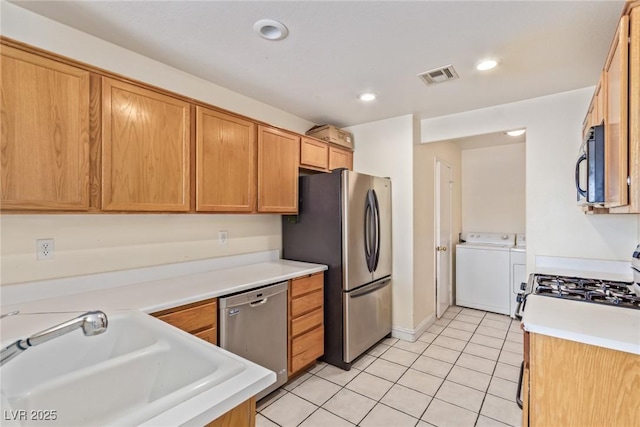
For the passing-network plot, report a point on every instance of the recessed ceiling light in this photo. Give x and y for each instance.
(486, 64)
(516, 132)
(270, 29)
(367, 96)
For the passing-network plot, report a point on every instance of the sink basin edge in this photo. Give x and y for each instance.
(216, 401)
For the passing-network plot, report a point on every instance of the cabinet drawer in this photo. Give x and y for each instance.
(306, 284)
(307, 303)
(307, 322)
(209, 335)
(192, 318)
(307, 348)
(312, 341)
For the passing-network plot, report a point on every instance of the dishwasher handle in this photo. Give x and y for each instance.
(257, 303)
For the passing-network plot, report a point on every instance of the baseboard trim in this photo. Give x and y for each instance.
(412, 335)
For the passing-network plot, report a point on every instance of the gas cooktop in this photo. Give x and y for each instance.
(622, 294)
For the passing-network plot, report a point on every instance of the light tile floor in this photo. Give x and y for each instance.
(462, 371)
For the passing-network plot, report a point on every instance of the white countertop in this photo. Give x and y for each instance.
(149, 296)
(156, 295)
(617, 328)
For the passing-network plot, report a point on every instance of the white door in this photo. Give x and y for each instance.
(443, 237)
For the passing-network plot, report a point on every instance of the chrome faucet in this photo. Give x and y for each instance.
(91, 322)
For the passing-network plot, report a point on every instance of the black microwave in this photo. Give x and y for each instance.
(590, 177)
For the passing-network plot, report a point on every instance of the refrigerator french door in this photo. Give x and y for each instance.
(344, 221)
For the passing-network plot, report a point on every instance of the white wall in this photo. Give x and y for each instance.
(555, 225)
(96, 243)
(493, 189)
(385, 148)
(86, 244)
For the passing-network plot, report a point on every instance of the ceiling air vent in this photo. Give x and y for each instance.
(439, 75)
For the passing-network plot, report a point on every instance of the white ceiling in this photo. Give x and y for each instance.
(337, 49)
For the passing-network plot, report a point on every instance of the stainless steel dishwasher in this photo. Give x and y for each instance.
(253, 325)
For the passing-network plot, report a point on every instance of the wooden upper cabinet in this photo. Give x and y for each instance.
(340, 158)
(314, 154)
(634, 111)
(225, 162)
(616, 119)
(44, 133)
(278, 161)
(600, 100)
(145, 149)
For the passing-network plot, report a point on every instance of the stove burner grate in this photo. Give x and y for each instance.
(589, 290)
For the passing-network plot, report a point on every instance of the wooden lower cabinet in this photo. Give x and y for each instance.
(306, 321)
(576, 384)
(243, 415)
(199, 319)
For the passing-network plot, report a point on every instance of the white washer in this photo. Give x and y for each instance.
(483, 278)
(518, 269)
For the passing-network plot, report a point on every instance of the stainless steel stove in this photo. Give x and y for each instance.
(598, 291)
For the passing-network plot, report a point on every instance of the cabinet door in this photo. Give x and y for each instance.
(616, 120)
(634, 111)
(595, 391)
(599, 96)
(339, 158)
(44, 131)
(314, 154)
(278, 161)
(225, 162)
(145, 149)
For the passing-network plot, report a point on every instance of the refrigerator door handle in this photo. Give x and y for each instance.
(376, 206)
(370, 231)
(367, 232)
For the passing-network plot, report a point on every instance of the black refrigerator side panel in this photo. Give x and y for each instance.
(315, 235)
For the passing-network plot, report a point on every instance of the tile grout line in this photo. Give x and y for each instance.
(445, 378)
(405, 370)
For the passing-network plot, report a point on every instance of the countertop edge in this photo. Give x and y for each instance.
(615, 328)
(582, 338)
(230, 290)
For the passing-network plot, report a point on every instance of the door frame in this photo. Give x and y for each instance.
(436, 226)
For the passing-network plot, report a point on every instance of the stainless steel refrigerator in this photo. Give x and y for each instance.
(344, 221)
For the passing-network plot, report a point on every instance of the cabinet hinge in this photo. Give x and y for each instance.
(629, 181)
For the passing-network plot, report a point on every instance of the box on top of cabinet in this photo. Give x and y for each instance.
(332, 134)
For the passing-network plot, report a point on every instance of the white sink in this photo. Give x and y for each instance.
(139, 368)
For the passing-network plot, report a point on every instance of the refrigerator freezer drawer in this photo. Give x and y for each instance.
(367, 313)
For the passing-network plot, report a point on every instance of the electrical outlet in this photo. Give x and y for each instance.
(44, 249)
(223, 237)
